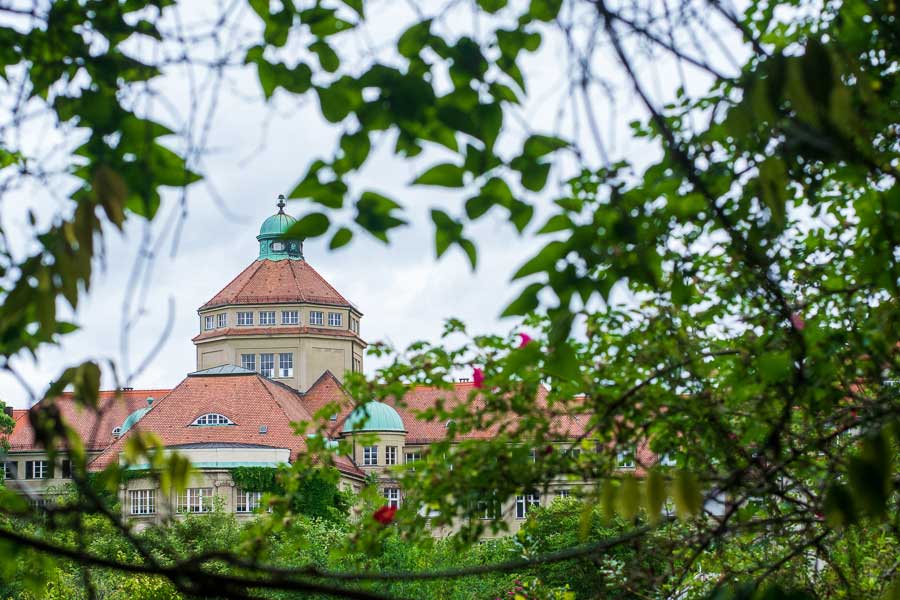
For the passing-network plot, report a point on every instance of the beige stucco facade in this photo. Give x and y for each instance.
(312, 353)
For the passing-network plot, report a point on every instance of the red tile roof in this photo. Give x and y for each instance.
(249, 400)
(271, 281)
(95, 428)
(275, 330)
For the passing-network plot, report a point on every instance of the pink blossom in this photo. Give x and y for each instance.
(797, 321)
(478, 377)
(526, 339)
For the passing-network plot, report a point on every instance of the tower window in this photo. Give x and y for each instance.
(316, 317)
(334, 319)
(267, 364)
(277, 246)
(390, 455)
(357, 365)
(211, 420)
(267, 317)
(354, 325)
(208, 322)
(248, 361)
(286, 364)
(245, 318)
(290, 317)
(222, 320)
(370, 456)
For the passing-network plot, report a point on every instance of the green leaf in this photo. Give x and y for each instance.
(535, 177)
(413, 40)
(266, 74)
(543, 261)
(629, 499)
(525, 303)
(775, 366)
(328, 58)
(310, 226)
(445, 174)
(655, 495)
(491, 6)
(537, 146)
(545, 10)
(340, 238)
(356, 5)
(688, 500)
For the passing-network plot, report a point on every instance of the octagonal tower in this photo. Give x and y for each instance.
(280, 317)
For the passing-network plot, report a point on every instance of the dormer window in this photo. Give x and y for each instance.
(277, 246)
(117, 431)
(211, 420)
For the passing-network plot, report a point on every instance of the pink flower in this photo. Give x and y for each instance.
(526, 339)
(385, 514)
(797, 321)
(478, 377)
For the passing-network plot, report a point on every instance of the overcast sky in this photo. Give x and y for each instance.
(257, 151)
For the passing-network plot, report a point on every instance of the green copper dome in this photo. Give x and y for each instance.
(273, 245)
(133, 418)
(373, 416)
(277, 224)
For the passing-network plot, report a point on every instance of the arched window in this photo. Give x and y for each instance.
(211, 419)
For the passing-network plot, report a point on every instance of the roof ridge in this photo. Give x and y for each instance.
(297, 282)
(326, 282)
(227, 285)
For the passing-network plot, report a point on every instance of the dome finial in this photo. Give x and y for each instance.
(280, 204)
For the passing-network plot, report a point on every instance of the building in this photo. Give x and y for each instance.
(272, 349)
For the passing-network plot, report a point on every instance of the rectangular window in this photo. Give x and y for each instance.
(267, 317)
(208, 322)
(10, 469)
(245, 318)
(247, 502)
(390, 455)
(286, 364)
(354, 325)
(316, 317)
(370, 456)
(667, 460)
(143, 502)
(267, 365)
(66, 466)
(625, 459)
(290, 317)
(222, 320)
(334, 319)
(357, 365)
(37, 469)
(526, 503)
(248, 361)
(533, 455)
(392, 495)
(195, 500)
(488, 509)
(562, 493)
(412, 457)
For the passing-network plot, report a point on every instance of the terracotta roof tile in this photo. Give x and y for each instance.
(95, 428)
(270, 281)
(249, 400)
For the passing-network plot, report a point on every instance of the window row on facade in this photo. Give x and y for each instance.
(192, 500)
(489, 508)
(37, 469)
(624, 460)
(288, 317)
(267, 364)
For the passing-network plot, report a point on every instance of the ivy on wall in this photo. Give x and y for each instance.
(315, 494)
